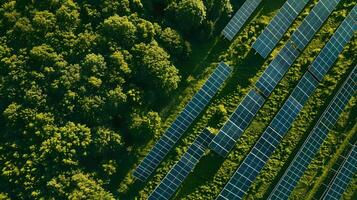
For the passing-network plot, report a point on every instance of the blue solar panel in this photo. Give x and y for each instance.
(281, 63)
(314, 141)
(334, 47)
(313, 22)
(182, 168)
(277, 69)
(239, 19)
(182, 122)
(275, 30)
(237, 123)
(343, 176)
(267, 143)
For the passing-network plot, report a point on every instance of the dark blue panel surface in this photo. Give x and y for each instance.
(275, 30)
(313, 22)
(239, 19)
(314, 141)
(343, 176)
(182, 122)
(277, 69)
(182, 168)
(334, 47)
(237, 123)
(267, 143)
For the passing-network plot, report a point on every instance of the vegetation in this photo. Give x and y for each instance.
(86, 88)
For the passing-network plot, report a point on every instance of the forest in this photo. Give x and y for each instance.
(87, 87)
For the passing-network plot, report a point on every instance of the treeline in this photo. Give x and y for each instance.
(82, 81)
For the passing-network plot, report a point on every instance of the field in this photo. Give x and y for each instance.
(86, 93)
(213, 171)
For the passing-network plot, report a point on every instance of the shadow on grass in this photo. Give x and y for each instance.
(203, 172)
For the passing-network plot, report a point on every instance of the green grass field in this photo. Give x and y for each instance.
(211, 174)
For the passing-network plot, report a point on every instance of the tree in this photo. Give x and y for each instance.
(172, 41)
(145, 125)
(120, 29)
(219, 8)
(68, 15)
(188, 14)
(66, 144)
(153, 67)
(118, 62)
(106, 141)
(121, 7)
(77, 185)
(44, 21)
(94, 64)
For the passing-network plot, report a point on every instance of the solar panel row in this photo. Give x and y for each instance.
(335, 45)
(182, 168)
(237, 123)
(182, 122)
(281, 63)
(313, 22)
(241, 16)
(315, 139)
(275, 30)
(267, 143)
(343, 176)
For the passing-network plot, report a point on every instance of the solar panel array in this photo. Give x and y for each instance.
(182, 122)
(241, 16)
(226, 138)
(277, 69)
(343, 176)
(275, 30)
(312, 22)
(182, 168)
(267, 143)
(315, 139)
(300, 38)
(335, 45)
(237, 123)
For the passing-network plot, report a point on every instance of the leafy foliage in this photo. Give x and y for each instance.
(86, 87)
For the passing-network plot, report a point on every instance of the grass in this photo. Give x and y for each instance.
(213, 172)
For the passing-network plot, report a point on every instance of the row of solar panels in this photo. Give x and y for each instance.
(343, 176)
(199, 101)
(183, 167)
(259, 155)
(270, 78)
(240, 119)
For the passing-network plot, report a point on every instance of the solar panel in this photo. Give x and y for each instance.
(315, 139)
(281, 63)
(275, 30)
(182, 122)
(237, 123)
(267, 143)
(335, 45)
(241, 16)
(313, 22)
(276, 70)
(182, 168)
(343, 176)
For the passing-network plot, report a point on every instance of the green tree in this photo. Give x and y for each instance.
(120, 29)
(77, 185)
(68, 15)
(218, 8)
(172, 41)
(145, 125)
(153, 67)
(188, 14)
(44, 21)
(66, 144)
